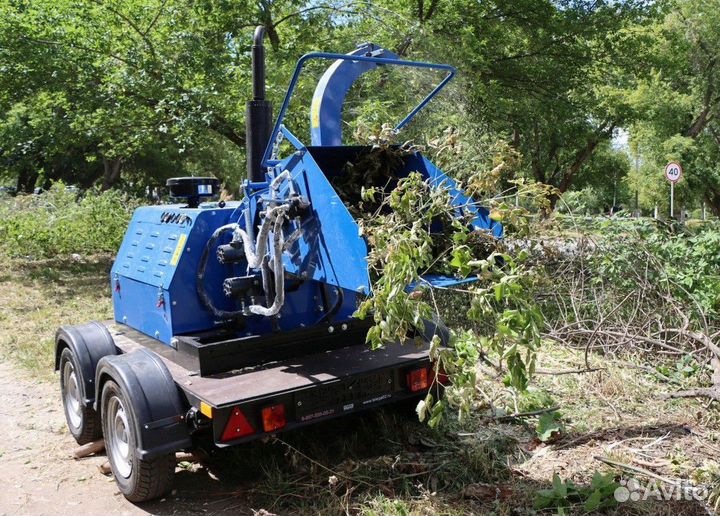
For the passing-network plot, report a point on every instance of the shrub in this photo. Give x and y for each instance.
(60, 222)
(683, 263)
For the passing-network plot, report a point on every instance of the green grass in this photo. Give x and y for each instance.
(39, 296)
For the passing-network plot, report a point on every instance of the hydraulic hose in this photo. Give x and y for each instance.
(200, 278)
(275, 184)
(339, 298)
(278, 270)
(255, 259)
(255, 253)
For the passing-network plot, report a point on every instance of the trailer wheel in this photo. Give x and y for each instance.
(83, 421)
(139, 479)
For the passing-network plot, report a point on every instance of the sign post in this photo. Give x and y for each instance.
(673, 173)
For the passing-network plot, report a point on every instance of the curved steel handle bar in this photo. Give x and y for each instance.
(345, 57)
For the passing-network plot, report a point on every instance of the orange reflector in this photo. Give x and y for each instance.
(273, 417)
(237, 426)
(417, 380)
(206, 410)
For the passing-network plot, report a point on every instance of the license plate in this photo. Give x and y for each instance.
(344, 397)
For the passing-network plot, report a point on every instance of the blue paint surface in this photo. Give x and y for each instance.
(330, 92)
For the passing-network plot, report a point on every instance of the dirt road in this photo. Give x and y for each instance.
(39, 476)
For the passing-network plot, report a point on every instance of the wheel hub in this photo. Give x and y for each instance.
(73, 403)
(119, 438)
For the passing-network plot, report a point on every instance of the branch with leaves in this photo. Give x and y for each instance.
(401, 227)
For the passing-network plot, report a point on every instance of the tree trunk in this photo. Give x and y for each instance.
(712, 197)
(111, 174)
(424, 15)
(51, 177)
(26, 181)
(580, 159)
(224, 128)
(273, 36)
(267, 21)
(701, 121)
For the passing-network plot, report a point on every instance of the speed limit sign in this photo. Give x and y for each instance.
(673, 171)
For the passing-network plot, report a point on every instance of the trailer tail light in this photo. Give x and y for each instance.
(417, 379)
(237, 426)
(273, 418)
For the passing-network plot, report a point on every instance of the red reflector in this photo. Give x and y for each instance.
(273, 417)
(417, 380)
(237, 426)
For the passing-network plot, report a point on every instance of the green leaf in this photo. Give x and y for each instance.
(499, 290)
(559, 487)
(548, 425)
(544, 498)
(593, 501)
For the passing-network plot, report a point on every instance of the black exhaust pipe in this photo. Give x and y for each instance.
(258, 112)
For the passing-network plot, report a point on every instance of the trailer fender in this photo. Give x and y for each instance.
(88, 343)
(153, 397)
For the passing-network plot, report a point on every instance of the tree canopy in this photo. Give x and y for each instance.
(124, 93)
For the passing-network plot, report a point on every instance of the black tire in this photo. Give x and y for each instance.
(139, 479)
(82, 421)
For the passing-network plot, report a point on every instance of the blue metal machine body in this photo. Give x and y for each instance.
(329, 96)
(155, 276)
(152, 278)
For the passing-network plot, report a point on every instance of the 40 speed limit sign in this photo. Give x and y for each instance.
(673, 171)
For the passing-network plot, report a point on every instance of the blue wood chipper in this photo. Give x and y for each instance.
(233, 320)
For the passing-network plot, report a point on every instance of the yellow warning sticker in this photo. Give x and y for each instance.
(178, 250)
(315, 112)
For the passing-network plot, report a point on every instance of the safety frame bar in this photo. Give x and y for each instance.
(266, 162)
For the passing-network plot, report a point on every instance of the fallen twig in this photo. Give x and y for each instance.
(527, 414)
(703, 392)
(568, 371)
(639, 471)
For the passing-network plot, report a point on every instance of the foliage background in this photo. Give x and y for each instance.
(127, 93)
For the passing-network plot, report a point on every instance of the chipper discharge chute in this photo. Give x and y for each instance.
(234, 320)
